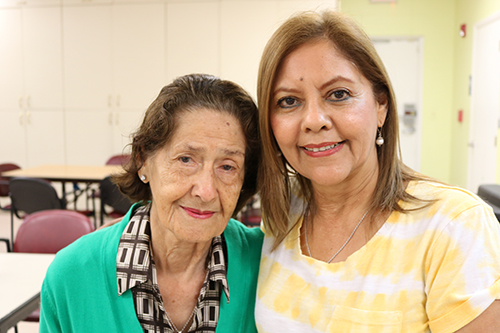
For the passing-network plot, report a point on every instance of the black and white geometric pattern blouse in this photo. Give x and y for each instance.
(135, 270)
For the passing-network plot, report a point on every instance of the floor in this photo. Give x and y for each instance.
(23, 327)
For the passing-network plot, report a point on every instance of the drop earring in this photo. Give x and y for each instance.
(380, 139)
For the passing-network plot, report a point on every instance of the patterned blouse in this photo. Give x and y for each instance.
(135, 270)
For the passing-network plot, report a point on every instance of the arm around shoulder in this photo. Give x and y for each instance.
(486, 322)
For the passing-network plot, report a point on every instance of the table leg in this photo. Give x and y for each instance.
(63, 184)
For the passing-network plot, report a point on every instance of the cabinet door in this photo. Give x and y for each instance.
(11, 64)
(12, 138)
(42, 57)
(125, 123)
(193, 39)
(243, 39)
(88, 137)
(138, 54)
(45, 137)
(87, 57)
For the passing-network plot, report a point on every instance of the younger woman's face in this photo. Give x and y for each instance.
(324, 116)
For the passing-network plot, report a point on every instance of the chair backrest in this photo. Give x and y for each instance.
(49, 231)
(118, 160)
(31, 195)
(111, 196)
(4, 182)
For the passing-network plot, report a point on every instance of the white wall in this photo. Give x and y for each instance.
(77, 75)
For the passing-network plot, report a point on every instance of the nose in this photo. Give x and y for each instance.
(316, 118)
(204, 186)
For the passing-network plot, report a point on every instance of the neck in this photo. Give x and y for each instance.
(176, 257)
(338, 202)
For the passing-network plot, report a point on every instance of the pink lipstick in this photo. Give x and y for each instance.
(324, 149)
(198, 213)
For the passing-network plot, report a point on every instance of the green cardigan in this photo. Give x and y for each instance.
(80, 292)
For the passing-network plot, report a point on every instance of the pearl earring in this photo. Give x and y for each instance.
(143, 178)
(380, 139)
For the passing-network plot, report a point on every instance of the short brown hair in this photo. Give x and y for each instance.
(190, 93)
(352, 42)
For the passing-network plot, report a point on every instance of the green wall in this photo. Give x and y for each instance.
(469, 12)
(447, 67)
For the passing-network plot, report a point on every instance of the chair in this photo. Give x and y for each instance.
(490, 193)
(49, 231)
(30, 195)
(251, 216)
(118, 159)
(93, 193)
(4, 181)
(111, 196)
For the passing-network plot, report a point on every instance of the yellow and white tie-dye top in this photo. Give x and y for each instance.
(430, 270)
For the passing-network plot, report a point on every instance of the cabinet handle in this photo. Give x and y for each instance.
(28, 102)
(21, 114)
(110, 118)
(28, 117)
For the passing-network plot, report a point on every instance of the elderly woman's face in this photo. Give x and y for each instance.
(324, 115)
(197, 177)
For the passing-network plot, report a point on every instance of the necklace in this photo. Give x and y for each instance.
(342, 247)
(183, 327)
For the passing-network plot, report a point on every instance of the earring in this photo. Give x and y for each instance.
(380, 139)
(143, 177)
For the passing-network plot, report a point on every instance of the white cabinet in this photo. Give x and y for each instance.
(31, 104)
(193, 39)
(113, 69)
(76, 76)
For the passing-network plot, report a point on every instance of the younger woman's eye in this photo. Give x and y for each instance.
(287, 102)
(339, 95)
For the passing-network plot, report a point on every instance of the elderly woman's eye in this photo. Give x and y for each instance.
(185, 159)
(287, 102)
(227, 167)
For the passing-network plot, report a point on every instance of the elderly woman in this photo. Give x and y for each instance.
(355, 240)
(177, 262)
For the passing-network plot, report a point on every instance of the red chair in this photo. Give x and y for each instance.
(118, 159)
(49, 231)
(251, 216)
(4, 181)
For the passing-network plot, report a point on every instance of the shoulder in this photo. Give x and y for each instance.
(88, 255)
(237, 232)
(447, 198)
(243, 243)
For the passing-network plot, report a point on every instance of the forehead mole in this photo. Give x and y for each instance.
(301, 79)
(227, 123)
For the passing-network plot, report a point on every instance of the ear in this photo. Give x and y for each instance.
(382, 107)
(143, 171)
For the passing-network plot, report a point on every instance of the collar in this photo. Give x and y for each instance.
(135, 265)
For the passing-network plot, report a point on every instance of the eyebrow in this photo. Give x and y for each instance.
(226, 151)
(323, 86)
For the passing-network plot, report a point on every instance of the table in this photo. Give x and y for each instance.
(21, 277)
(67, 173)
